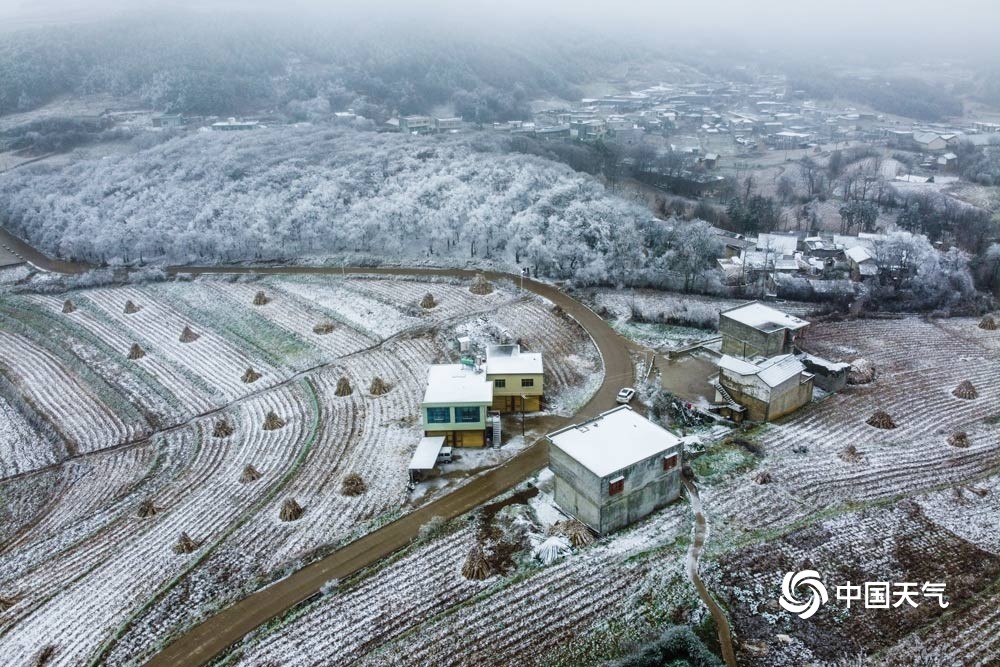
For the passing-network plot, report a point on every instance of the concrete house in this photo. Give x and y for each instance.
(756, 330)
(615, 469)
(455, 404)
(861, 263)
(768, 389)
(518, 378)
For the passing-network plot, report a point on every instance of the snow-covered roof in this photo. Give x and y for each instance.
(782, 243)
(614, 440)
(510, 360)
(832, 366)
(858, 254)
(455, 383)
(771, 372)
(765, 318)
(426, 453)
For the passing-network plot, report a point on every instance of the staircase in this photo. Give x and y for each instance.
(495, 418)
(730, 401)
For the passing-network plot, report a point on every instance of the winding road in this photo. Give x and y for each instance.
(206, 641)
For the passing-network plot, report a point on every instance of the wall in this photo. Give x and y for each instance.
(502, 396)
(741, 340)
(452, 425)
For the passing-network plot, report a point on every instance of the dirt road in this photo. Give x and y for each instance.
(202, 643)
(26, 253)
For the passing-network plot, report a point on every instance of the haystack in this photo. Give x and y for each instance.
(763, 477)
(260, 299)
(379, 387)
(250, 474)
(987, 323)
(881, 419)
(45, 656)
(273, 422)
(250, 376)
(324, 328)
(965, 390)
(291, 510)
(576, 532)
(8, 601)
(131, 308)
(428, 301)
(476, 567)
(147, 508)
(68, 306)
(480, 285)
(136, 352)
(223, 429)
(959, 439)
(343, 387)
(353, 485)
(862, 371)
(185, 544)
(851, 454)
(188, 336)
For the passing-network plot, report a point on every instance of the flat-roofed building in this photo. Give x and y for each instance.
(455, 404)
(518, 378)
(757, 330)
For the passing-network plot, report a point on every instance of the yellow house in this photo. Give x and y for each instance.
(455, 404)
(517, 377)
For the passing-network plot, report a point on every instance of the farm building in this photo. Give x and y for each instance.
(767, 389)
(861, 262)
(756, 330)
(615, 469)
(517, 377)
(456, 403)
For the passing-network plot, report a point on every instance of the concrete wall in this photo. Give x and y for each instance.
(789, 397)
(743, 341)
(764, 403)
(577, 490)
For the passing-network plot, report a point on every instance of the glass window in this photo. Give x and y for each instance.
(438, 415)
(499, 383)
(468, 414)
(527, 382)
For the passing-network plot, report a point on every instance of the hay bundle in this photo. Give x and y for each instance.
(881, 419)
(184, 544)
(480, 285)
(8, 601)
(979, 491)
(260, 299)
(250, 474)
(291, 510)
(136, 352)
(147, 508)
(764, 477)
(428, 301)
(131, 308)
(862, 371)
(188, 336)
(379, 387)
(223, 429)
(987, 323)
(576, 532)
(959, 439)
(273, 422)
(45, 656)
(965, 390)
(851, 454)
(250, 376)
(353, 485)
(324, 328)
(343, 387)
(68, 306)
(476, 567)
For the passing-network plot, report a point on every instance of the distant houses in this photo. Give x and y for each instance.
(615, 469)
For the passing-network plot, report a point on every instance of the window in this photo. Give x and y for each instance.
(468, 415)
(438, 415)
(527, 382)
(499, 383)
(616, 486)
(670, 462)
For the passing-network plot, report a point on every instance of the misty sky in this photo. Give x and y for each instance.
(904, 29)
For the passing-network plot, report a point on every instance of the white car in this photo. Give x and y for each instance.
(626, 395)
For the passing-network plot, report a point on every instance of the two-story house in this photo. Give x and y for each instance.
(455, 404)
(615, 469)
(518, 378)
(756, 330)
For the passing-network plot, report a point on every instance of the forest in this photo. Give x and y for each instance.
(360, 195)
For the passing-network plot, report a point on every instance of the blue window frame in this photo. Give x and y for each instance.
(438, 415)
(468, 414)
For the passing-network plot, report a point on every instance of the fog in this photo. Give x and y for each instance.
(830, 30)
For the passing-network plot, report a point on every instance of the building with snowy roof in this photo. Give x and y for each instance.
(518, 378)
(767, 389)
(456, 403)
(757, 330)
(615, 469)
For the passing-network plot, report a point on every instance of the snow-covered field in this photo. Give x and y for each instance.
(87, 574)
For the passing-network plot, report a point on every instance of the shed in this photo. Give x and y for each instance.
(425, 457)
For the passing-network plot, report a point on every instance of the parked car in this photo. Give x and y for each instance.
(626, 395)
(444, 456)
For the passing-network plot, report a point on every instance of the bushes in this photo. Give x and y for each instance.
(676, 647)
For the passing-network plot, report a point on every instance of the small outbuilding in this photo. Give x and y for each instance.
(615, 469)
(425, 458)
(768, 389)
